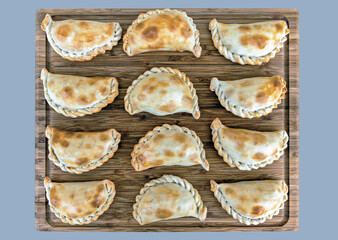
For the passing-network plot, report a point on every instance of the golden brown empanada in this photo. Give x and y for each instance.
(168, 197)
(78, 152)
(162, 91)
(252, 44)
(169, 145)
(251, 202)
(79, 202)
(79, 40)
(247, 149)
(166, 30)
(250, 97)
(75, 96)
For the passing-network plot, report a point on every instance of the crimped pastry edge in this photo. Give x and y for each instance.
(80, 112)
(128, 105)
(110, 191)
(216, 124)
(243, 219)
(241, 59)
(46, 26)
(166, 127)
(85, 168)
(240, 111)
(202, 210)
(126, 45)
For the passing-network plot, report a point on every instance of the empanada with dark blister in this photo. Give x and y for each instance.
(78, 152)
(168, 197)
(247, 149)
(79, 202)
(76, 96)
(165, 30)
(251, 202)
(80, 40)
(169, 145)
(162, 91)
(253, 43)
(250, 97)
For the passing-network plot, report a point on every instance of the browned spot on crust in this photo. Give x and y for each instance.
(104, 137)
(83, 25)
(169, 153)
(104, 91)
(157, 162)
(246, 83)
(97, 201)
(194, 158)
(83, 99)
(142, 158)
(187, 101)
(169, 108)
(67, 92)
(92, 81)
(279, 27)
(100, 188)
(244, 28)
(79, 135)
(82, 161)
(257, 210)
(63, 31)
(55, 200)
(259, 156)
(150, 33)
(141, 97)
(230, 192)
(64, 143)
(163, 213)
(88, 145)
(256, 40)
(163, 91)
(261, 97)
(229, 92)
(180, 137)
(186, 31)
(277, 82)
(256, 200)
(243, 199)
(158, 137)
(69, 134)
(181, 154)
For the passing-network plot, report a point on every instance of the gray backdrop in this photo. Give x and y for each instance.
(318, 96)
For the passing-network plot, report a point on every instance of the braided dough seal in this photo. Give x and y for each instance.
(168, 197)
(162, 30)
(75, 96)
(169, 145)
(162, 91)
(78, 152)
(253, 44)
(251, 202)
(250, 97)
(79, 202)
(247, 149)
(79, 40)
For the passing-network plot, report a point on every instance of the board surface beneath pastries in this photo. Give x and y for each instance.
(128, 182)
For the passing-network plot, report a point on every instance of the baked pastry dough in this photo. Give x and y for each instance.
(79, 202)
(75, 96)
(169, 145)
(168, 197)
(78, 152)
(79, 40)
(162, 91)
(252, 44)
(250, 97)
(166, 30)
(247, 149)
(251, 202)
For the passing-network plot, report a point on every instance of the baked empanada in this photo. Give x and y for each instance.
(79, 40)
(168, 197)
(251, 202)
(79, 202)
(247, 149)
(169, 145)
(250, 97)
(165, 30)
(78, 152)
(252, 44)
(75, 96)
(162, 91)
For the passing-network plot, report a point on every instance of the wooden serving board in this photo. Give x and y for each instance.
(128, 182)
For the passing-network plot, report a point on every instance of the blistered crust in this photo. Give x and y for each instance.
(257, 159)
(263, 98)
(140, 162)
(98, 200)
(168, 30)
(252, 38)
(108, 93)
(62, 139)
(79, 37)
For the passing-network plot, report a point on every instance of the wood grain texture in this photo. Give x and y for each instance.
(128, 182)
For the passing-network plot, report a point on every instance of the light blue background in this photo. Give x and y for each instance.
(318, 117)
